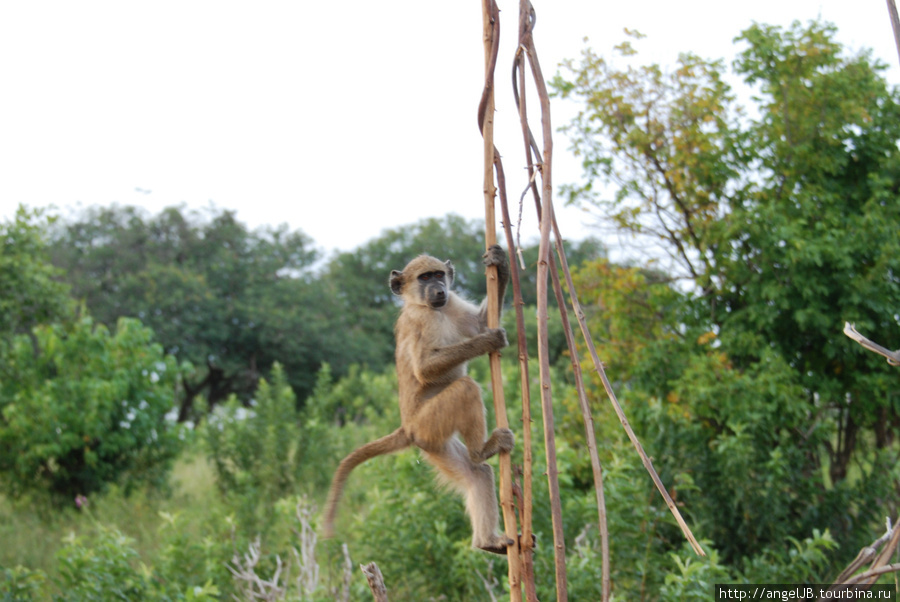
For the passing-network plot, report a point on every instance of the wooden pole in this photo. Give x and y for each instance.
(490, 19)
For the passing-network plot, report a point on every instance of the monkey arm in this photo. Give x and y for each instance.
(438, 365)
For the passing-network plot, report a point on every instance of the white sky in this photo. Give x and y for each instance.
(339, 118)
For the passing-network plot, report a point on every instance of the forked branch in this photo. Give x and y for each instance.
(893, 357)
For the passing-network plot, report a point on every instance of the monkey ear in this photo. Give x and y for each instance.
(396, 282)
(450, 272)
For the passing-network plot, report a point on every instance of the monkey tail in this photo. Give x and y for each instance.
(385, 445)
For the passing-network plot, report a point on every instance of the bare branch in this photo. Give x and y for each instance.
(893, 357)
(376, 581)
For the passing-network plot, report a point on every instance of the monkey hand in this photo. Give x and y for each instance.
(506, 440)
(497, 338)
(495, 255)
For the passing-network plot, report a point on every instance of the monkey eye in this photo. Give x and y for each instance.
(429, 275)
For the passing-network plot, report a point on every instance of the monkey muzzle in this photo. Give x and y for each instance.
(438, 299)
(438, 303)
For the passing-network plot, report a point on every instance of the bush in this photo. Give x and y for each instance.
(252, 448)
(20, 584)
(84, 409)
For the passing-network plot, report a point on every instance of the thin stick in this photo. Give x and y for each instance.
(606, 584)
(376, 581)
(526, 23)
(598, 366)
(579, 313)
(893, 357)
(895, 23)
(559, 544)
(873, 574)
(527, 543)
(491, 24)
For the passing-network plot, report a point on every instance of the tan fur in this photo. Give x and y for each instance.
(437, 333)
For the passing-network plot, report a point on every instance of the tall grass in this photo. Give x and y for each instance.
(31, 533)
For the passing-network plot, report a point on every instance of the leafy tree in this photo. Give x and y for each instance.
(773, 231)
(79, 408)
(31, 294)
(227, 300)
(85, 408)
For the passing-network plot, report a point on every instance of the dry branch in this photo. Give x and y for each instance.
(526, 24)
(893, 357)
(888, 544)
(524, 495)
(527, 44)
(376, 581)
(250, 585)
(895, 23)
(526, 12)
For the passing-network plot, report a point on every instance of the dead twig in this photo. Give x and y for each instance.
(893, 357)
(526, 42)
(250, 585)
(879, 565)
(308, 578)
(376, 581)
(895, 23)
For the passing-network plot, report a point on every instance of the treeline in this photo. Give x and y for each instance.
(231, 301)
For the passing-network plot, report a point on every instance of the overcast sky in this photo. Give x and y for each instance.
(338, 118)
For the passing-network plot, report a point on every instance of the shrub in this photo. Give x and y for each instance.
(251, 448)
(86, 408)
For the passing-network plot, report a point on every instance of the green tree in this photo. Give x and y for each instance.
(777, 229)
(31, 295)
(85, 408)
(226, 299)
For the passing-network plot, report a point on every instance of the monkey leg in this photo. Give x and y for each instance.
(476, 483)
(459, 409)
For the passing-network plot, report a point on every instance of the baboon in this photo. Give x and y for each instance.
(436, 334)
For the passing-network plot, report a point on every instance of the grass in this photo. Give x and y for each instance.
(32, 534)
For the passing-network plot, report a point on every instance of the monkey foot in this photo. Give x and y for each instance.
(501, 548)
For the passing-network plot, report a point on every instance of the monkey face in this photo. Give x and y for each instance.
(424, 281)
(433, 288)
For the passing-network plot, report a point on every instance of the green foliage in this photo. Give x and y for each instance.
(86, 408)
(418, 532)
(20, 584)
(359, 396)
(106, 566)
(251, 448)
(104, 571)
(226, 299)
(780, 228)
(31, 294)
